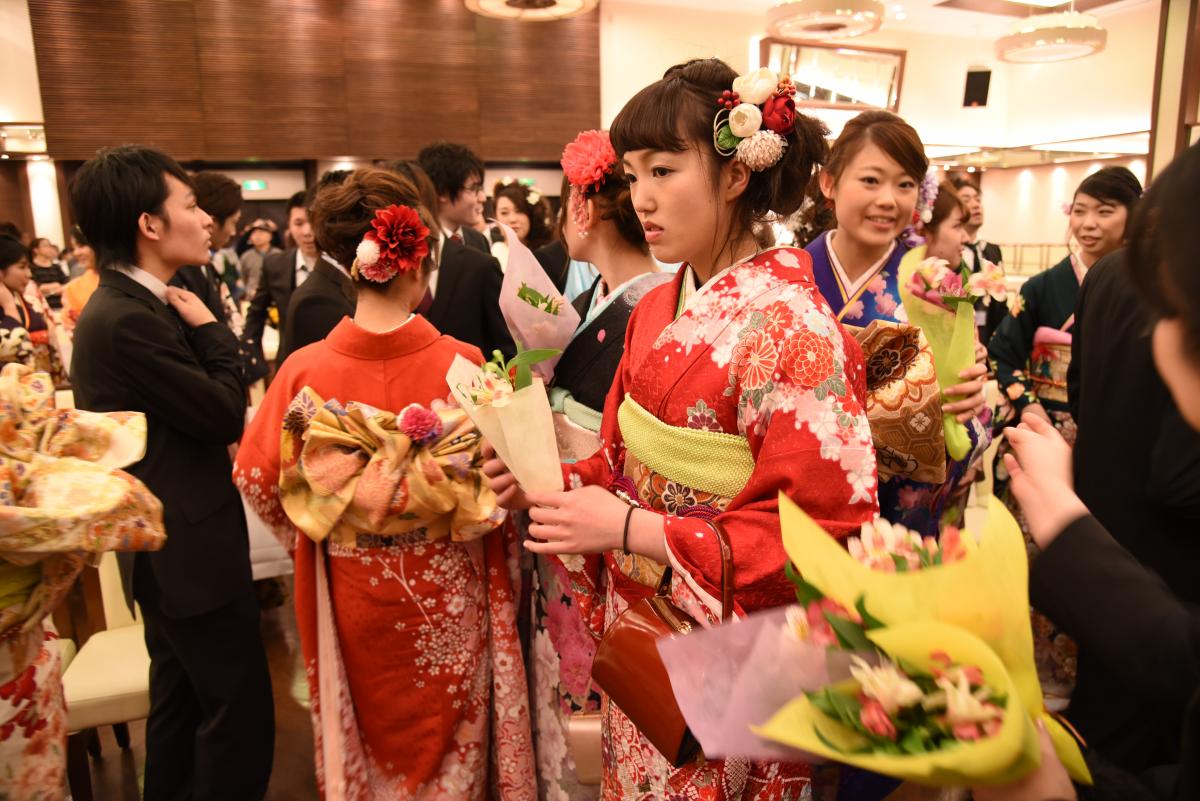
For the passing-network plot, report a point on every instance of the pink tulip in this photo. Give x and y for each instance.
(876, 720)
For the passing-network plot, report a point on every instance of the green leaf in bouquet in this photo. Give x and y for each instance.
(518, 367)
(805, 592)
(831, 745)
(850, 634)
(900, 562)
(869, 620)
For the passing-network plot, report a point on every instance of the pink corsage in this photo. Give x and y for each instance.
(396, 244)
(419, 424)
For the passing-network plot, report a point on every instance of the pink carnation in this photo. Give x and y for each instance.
(419, 424)
(587, 160)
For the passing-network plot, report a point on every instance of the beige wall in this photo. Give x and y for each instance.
(20, 99)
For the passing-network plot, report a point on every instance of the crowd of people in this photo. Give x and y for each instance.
(449, 617)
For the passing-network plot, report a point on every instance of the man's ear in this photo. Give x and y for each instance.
(150, 226)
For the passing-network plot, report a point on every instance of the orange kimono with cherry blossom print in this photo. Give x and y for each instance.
(756, 360)
(412, 631)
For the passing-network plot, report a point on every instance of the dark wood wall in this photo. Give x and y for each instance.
(287, 80)
(14, 196)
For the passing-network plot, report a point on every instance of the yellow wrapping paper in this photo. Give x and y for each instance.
(951, 336)
(1001, 758)
(986, 593)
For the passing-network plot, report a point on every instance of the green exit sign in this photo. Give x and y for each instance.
(254, 185)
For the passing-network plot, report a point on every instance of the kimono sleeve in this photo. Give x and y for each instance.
(811, 441)
(1012, 344)
(256, 469)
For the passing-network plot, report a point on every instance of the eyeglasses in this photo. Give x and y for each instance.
(474, 189)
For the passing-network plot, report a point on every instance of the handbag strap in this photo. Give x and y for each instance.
(664, 584)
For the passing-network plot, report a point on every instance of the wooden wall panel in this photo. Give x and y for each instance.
(117, 72)
(540, 84)
(271, 76)
(306, 79)
(14, 196)
(410, 75)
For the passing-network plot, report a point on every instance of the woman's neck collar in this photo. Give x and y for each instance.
(856, 259)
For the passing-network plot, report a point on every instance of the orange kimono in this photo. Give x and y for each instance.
(419, 631)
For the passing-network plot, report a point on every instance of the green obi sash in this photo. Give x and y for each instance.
(17, 582)
(709, 461)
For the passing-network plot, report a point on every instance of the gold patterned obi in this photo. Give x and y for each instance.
(363, 477)
(676, 471)
(904, 403)
(1048, 363)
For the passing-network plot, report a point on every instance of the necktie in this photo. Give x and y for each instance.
(301, 274)
(456, 237)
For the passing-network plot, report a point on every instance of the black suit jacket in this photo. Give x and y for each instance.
(555, 261)
(466, 305)
(194, 279)
(477, 241)
(315, 308)
(133, 353)
(1136, 628)
(275, 287)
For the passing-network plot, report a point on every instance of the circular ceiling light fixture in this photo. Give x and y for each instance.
(1052, 37)
(531, 10)
(824, 19)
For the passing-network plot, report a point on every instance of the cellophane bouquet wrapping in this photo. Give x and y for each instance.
(510, 408)
(954, 692)
(940, 300)
(538, 316)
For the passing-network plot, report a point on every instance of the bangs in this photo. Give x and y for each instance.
(651, 120)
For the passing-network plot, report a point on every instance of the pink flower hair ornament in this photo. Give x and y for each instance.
(395, 244)
(587, 161)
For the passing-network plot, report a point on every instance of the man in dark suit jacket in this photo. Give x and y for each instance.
(989, 312)
(281, 274)
(466, 299)
(143, 346)
(457, 176)
(317, 307)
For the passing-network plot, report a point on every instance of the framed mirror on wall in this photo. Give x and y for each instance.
(838, 75)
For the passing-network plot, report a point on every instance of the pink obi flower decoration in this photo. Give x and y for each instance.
(419, 424)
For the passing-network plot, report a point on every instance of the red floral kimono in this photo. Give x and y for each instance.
(753, 354)
(431, 690)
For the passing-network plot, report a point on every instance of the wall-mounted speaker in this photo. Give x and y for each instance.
(978, 81)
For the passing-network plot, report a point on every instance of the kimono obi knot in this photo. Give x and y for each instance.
(709, 461)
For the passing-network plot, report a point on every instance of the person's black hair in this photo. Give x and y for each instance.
(450, 166)
(1163, 242)
(676, 114)
(35, 244)
(219, 195)
(11, 252)
(113, 190)
(12, 230)
(1115, 185)
(327, 179)
(298, 200)
(962, 181)
(79, 237)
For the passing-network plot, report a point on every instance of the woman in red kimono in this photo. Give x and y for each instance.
(403, 596)
(737, 384)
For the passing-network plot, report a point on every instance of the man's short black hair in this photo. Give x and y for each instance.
(450, 167)
(113, 190)
(328, 178)
(297, 201)
(219, 195)
(960, 181)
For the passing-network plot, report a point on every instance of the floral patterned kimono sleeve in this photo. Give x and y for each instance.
(812, 446)
(256, 470)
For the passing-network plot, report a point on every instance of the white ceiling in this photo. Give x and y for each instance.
(919, 15)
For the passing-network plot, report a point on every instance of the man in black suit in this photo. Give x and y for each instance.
(989, 312)
(464, 292)
(317, 307)
(282, 273)
(143, 346)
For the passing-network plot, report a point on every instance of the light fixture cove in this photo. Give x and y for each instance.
(1052, 37)
(531, 10)
(814, 20)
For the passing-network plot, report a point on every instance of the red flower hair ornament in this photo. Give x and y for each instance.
(588, 160)
(395, 244)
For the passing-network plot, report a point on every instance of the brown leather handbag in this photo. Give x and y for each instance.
(628, 668)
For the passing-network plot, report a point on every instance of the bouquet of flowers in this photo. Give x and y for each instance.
(940, 301)
(508, 404)
(537, 315)
(954, 607)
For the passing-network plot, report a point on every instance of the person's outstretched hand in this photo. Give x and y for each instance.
(1041, 478)
(1047, 782)
(502, 482)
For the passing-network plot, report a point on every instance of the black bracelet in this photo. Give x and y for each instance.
(625, 536)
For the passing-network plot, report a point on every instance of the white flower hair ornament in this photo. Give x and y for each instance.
(755, 117)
